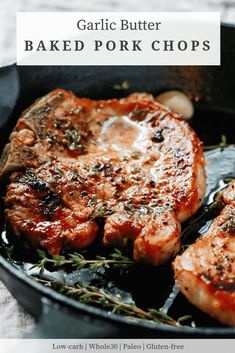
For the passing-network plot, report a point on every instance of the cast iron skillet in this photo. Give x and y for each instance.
(213, 90)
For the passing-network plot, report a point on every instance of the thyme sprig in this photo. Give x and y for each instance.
(122, 86)
(8, 251)
(27, 177)
(77, 261)
(93, 295)
(75, 140)
(222, 144)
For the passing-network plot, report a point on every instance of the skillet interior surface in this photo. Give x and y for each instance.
(212, 91)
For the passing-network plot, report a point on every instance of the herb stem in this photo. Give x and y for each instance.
(76, 260)
(88, 262)
(222, 144)
(94, 295)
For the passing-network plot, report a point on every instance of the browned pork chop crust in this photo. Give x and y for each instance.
(132, 162)
(205, 272)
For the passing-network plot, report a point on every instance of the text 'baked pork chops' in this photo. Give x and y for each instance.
(205, 272)
(132, 162)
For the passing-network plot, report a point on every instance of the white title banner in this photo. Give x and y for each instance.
(105, 38)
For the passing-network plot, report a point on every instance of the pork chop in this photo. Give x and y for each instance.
(132, 162)
(205, 272)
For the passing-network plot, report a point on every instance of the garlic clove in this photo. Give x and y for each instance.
(178, 102)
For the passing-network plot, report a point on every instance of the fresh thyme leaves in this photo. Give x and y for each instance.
(52, 140)
(8, 251)
(27, 177)
(184, 318)
(95, 170)
(36, 183)
(122, 86)
(101, 212)
(75, 140)
(128, 206)
(229, 225)
(223, 143)
(136, 154)
(92, 201)
(137, 209)
(107, 300)
(76, 260)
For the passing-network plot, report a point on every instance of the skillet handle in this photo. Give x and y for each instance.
(57, 322)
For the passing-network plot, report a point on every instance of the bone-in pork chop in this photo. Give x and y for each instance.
(132, 162)
(205, 272)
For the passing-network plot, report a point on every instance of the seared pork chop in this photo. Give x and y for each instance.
(132, 162)
(205, 272)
